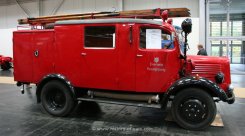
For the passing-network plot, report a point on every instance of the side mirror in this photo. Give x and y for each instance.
(187, 25)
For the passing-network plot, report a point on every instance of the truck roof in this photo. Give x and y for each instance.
(111, 20)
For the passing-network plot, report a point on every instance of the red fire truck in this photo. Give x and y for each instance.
(5, 62)
(121, 58)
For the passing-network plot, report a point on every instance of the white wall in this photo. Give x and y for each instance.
(11, 13)
(193, 5)
(202, 23)
(6, 41)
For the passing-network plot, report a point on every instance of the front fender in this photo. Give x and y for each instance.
(204, 83)
(50, 77)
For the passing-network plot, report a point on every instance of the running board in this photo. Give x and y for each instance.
(118, 102)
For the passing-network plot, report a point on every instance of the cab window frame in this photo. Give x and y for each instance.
(114, 41)
(155, 27)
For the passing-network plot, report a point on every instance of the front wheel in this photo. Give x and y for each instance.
(193, 109)
(56, 98)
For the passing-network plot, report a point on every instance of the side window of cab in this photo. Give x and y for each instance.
(155, 38)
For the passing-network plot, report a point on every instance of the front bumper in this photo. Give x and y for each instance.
(230, 96)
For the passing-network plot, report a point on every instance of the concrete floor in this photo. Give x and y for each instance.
(238, 80)
(237, 68)
(21, 115)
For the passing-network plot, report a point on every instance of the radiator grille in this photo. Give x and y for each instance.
(206, 70)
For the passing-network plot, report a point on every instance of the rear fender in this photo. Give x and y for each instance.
(50, 77)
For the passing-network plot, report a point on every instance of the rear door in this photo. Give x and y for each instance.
(99, 57)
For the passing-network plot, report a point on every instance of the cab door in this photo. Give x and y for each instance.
(155, 64)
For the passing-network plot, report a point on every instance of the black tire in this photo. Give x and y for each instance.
(56, 99)
(6, 66)
(193, 109)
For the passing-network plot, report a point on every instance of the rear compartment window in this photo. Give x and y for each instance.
(100, 36)
(152, 38)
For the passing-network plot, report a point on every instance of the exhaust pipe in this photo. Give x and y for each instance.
(149, 98)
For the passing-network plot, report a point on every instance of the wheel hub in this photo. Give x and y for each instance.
(56, 100)
(193, 110)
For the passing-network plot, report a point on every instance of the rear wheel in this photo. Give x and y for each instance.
(6, 66)
(193, 109)
(56, 98)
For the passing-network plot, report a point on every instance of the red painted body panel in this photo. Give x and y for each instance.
(126, 57)
(99, 68)
(28, 67)
(124, 68)
(68, 45)
(23, 60)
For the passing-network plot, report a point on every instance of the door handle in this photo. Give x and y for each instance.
(83, 54)
(139, 55)
(36, 53)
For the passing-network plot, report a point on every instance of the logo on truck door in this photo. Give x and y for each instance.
(156, 59)
(155, 66)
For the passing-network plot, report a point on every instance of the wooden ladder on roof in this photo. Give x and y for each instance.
(144, 14)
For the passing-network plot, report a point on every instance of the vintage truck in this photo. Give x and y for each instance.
(120, 59)
(5, 62)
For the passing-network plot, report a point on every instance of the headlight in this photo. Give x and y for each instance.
(230, 88)
(219, 78)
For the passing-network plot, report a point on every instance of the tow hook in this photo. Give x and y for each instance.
(23, 89)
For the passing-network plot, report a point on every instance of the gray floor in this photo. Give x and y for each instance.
(6, 73)
(237, 68)
(238, 80)
(21, 115)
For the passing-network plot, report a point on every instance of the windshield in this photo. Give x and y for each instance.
(180, 39)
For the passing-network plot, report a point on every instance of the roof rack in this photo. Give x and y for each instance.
(144, 14)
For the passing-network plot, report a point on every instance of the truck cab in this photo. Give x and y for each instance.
(126, 61)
